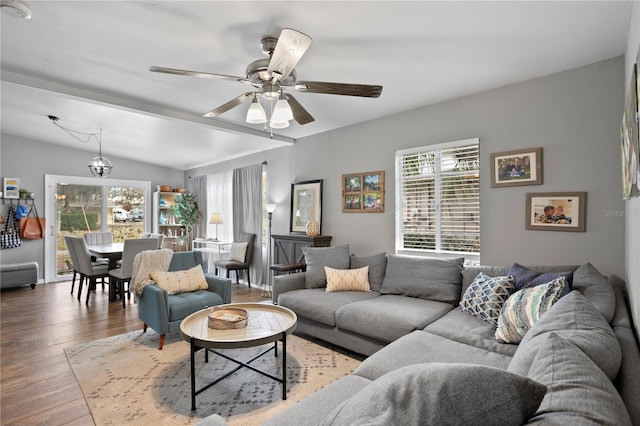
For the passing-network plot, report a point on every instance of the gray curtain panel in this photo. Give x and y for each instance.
(247, 212)
(198, 186)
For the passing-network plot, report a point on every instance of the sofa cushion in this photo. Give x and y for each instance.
(387, 318)
(526, 278)
(313, 409)
(523, 309)
(175, 282)
(580, 323)
(486, 295)
(318, 305)
(425, 278)
(347, 279)
(588, 281)
(463, 328)
(183, 304)
(442, 394)
(422, 347)
(578, 392)
(377, 264)
(317, 258)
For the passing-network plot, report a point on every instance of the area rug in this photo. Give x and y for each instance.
(127, 380)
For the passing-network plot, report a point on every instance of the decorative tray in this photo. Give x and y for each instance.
(223, 318)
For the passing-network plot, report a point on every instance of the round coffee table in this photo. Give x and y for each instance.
(265, 324)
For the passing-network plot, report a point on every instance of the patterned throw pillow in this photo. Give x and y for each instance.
(525, 307)
(347, 279)
(486, 295)
(181, 281)
(238, 252)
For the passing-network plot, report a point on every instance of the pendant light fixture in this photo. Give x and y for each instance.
(99, 166)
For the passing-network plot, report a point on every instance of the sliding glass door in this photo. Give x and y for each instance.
(76, 205)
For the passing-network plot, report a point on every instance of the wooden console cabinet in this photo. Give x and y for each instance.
(288, 247)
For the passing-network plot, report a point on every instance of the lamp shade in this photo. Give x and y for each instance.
(282, 111)
(270, 207)
(215, 219)
(256, 114)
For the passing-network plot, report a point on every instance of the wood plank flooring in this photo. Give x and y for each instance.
(37, 385)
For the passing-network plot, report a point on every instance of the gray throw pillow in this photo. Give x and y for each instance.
(377, 264)
(576, 320)
(578, 392)
(442, 394)
(424, 278)
(316, 258)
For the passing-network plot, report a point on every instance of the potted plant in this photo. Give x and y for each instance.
(23, 193)
(186, 212)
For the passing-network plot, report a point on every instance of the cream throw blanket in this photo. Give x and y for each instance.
(146, 262)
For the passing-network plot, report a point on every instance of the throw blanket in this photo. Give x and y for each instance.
(146, 262)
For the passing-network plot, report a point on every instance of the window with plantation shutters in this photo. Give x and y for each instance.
(438, 199)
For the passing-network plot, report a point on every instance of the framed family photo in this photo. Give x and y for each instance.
(306, 205)
(516, 168)
(630, 136)
(363, 192)
(556, 211)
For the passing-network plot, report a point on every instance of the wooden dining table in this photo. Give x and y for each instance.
(113, 252)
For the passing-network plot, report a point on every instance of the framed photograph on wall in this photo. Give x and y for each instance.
(11, 187)
(516, 168)
(306, 205)
(556, 211)
(363, 192)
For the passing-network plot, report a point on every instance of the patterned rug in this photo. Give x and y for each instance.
(127, 380)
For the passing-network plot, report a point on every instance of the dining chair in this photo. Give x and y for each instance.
(236, 265)
(98, 238)
(88, 270)
(122, 276)
(74, 260)
(160, 237)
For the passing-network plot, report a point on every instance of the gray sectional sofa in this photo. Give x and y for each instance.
(431, 363)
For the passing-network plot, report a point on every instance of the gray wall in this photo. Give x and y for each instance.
(30, 160)
(574, 115)
(632, 206)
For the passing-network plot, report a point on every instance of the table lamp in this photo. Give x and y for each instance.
(216, 219)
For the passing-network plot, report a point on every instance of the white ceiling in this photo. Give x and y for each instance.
(87, 62)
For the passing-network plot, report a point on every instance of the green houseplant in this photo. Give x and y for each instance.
(186, 212)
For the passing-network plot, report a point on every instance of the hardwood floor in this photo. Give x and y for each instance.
(37, 385)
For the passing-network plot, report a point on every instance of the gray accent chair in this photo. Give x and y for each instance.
(233, 265)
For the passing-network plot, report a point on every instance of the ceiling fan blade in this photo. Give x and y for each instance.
(290, 47)
(230, 105)
(364, 90)
(299, 113)
(199, 74)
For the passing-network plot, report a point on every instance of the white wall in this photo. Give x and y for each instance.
(30, 160)
(632, 206)
(574, 115)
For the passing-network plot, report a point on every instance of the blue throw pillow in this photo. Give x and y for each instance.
(486, 295)
(526, 278)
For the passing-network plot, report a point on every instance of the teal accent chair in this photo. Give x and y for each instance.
(164, 313)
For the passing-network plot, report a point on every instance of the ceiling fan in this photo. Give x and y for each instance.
(272, 77)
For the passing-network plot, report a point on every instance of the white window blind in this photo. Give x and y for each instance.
(438, 198)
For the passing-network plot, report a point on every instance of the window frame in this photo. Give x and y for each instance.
(436, 149)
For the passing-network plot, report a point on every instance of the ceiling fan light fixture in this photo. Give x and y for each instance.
(16, 8)
(278, 124)
(255, 113)
(282, 112)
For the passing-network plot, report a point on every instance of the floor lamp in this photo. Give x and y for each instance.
(270, 208)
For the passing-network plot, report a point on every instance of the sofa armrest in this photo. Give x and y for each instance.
(219, 285)
(153, 308)
(288, 282)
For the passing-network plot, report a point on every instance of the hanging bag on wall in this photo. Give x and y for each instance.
(10, 237)
(32, 228)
